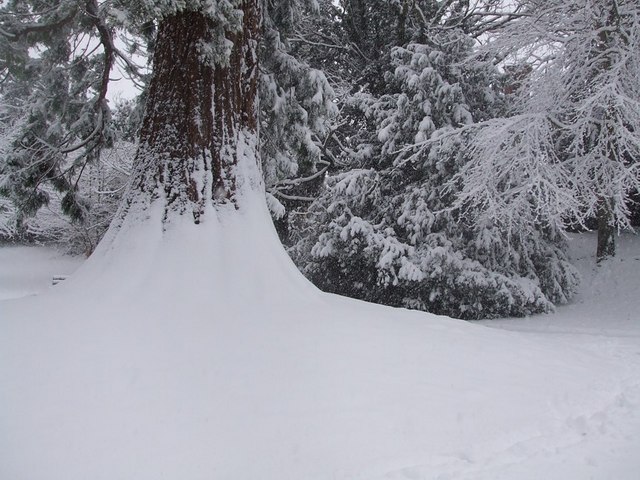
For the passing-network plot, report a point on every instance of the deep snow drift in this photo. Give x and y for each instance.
(201, 353)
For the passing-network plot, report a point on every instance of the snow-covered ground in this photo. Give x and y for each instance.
(603, 319)
(28, 271)
(204, 355)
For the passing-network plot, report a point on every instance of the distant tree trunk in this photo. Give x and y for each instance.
(402, 22)
(606, 230)
(201, 114)
(605, 213)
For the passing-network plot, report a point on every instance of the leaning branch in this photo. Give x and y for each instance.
(106, 39)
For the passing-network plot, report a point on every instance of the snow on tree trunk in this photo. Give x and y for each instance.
(195, 208)
(198, 142)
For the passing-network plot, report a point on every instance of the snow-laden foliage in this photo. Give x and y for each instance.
(389, 230)
(57, 59)
(53, 99)
(297, 110)
(226, 16)
(569, 150)
(102, 185)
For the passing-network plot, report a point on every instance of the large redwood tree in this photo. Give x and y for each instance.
(200, 121)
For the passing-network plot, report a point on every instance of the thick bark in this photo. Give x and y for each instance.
(197, 113)
(606, 231)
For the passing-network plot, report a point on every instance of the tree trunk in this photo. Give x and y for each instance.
(606, 230)
(201, 116)
(605, 213)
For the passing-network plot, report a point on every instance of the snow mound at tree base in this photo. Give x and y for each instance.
(201, 353)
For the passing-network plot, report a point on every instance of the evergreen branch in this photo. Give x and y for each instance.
(28, 28)
(299, 181)
(95, 133)
(293, 197)
(106, 39)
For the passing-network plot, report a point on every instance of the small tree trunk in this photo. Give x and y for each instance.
(199, 113)
(606, 230)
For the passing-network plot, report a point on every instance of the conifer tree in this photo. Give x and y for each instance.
(297, 110)
(388, 229)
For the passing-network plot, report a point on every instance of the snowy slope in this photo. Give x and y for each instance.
(200, 353)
